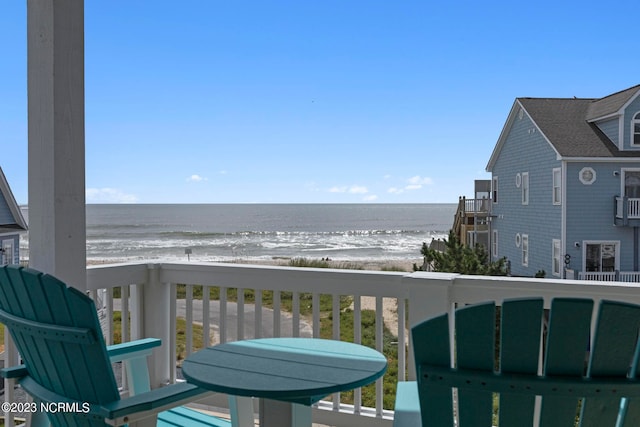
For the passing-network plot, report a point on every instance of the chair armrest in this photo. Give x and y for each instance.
(407, 407)
(123, 411)
(17, 371)
(132, 349)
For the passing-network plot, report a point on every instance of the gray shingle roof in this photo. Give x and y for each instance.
(610, 104)
(564, 121)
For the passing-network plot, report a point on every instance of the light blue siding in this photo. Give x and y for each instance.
(6, 217)
(630, 111)
(526, 150)
(611, 128)
(590, 212)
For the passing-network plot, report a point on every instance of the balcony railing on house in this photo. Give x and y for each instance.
(611, 276)
(627, 211)
(148, 293)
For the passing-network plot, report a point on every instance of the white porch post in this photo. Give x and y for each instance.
(57, 234)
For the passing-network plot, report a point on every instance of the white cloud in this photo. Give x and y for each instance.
(358, 189)
(418, 180)
(196, 178)
(354, 189)
(413, 183)
(109, 195)
(370, 198)
(338, 190)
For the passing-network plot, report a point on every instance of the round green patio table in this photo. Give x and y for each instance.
(285, 371)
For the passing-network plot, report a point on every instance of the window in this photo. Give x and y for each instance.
(525, 250)
(601, 256)
(557, 187)
(555, 269)
(494, 189)
(6, 254)
(635, 129)
(587, 176)
(632, 183)
(525, 188)
(494, 244)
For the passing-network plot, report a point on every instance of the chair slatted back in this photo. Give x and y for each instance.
(588, 376)
(58, 335)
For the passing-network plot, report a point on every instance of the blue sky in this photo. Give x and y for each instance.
(306, 101)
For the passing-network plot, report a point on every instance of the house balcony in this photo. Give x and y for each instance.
(611, 276)
(627, 211)
(258, 301)
(471, 217)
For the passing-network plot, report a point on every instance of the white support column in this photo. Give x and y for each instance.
(57, 233)
(156, 324)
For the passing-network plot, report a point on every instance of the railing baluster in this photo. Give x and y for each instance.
(315, 304)
(295, 327)
(240, 308)
(222, 328)
(276, 314)
(206, 317)
(336, 336)
(258, 314)
(189, 319)
(107, 315)
(402, 339)
(379, 347)
(357, 338)
(125, 321)
(173, 334)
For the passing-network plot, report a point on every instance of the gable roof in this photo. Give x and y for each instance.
(611, 104)
(15, 221)
(565, 125)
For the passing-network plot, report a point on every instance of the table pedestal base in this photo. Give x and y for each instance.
(276, 413)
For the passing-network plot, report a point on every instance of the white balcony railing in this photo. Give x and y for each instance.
(611, 276)
(148, 294)
(627, 208)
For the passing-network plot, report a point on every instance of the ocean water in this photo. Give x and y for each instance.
(232, 232)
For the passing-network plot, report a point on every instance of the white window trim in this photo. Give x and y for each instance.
(593, 175)
(494, 244)
(623, 177)
(525, 188)
(494, 190)
(7, 255)
(635, 120)
(525, 250)
(556, 257)
(556, 172)
(616, 243)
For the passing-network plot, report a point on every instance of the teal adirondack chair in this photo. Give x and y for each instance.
(586, 380)
(58, 336)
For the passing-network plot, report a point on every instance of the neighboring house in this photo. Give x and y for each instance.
(12, 224)
(566, 187)
(470, 223)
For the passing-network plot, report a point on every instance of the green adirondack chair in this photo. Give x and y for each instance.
(58, 336)
(586, 379)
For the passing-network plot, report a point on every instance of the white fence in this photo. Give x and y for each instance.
(148, 292)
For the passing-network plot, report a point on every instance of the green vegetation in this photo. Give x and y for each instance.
(459, 258)
(322, 263)
(181, 328)
(389, 349)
